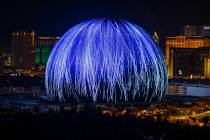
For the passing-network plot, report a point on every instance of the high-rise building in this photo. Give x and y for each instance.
(192, 30)
(23, 50)
(188, 56)
(44, 46)
(205, 30)
(189, 30)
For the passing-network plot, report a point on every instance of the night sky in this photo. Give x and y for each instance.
(54, 17)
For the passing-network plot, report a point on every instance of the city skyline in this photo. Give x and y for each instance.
(53, 18)
(104, 69)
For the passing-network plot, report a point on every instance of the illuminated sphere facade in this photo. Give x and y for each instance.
(106, 60)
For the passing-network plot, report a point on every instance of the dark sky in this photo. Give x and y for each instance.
(54, 17)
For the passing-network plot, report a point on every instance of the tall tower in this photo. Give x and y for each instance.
(23, 50)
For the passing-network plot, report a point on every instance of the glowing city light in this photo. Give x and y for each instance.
(105, 59)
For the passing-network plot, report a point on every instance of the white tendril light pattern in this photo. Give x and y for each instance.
(106, 60)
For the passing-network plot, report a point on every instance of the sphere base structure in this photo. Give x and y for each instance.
(106, 60)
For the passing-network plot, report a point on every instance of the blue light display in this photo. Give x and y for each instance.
(106, 60)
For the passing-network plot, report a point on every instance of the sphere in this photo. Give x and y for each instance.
(106, 60)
